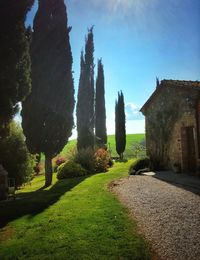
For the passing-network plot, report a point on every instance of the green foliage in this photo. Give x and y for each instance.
(139, 149)
(120, 125)
(15, 157)
(93, 161)
(100, 109)
(70, 169)
(85, 102)
(128, 153)
(76, 218)
(47, 113)
(86, 158)
(57, 161)
(15, 66)
(142, 164)
(130, 140)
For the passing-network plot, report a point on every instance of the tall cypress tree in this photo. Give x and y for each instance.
(120, 125)
(100, 109)
(85, 103)
(47, 113)
(15, 79)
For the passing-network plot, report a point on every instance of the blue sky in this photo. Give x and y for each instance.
(137, 41)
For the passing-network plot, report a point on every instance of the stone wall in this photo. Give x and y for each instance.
(176, 149)
(169, 110)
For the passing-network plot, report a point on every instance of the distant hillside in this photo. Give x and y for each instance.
(130, 140)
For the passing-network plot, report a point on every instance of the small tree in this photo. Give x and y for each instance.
(15, 80)
(100, 109)
(85, 103)
(47, 113)
(120, 128)
(14, 155)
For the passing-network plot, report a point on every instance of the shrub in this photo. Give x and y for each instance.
(86, 158)
(110, 163)
(139, 149)
(102, 159)
(14, 156)
(60, 160)
(57, 162)
(70, 169)
(140, 165)
(92, 161)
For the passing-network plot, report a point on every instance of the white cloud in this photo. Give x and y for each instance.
(133, 112)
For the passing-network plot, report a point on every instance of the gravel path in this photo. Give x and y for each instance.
(168, 216)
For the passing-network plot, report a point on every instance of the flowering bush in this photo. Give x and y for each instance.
(102, 160)
(93, 161)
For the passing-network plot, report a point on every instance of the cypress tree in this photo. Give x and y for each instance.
(15, 79)
(120, 127)
(85, 103)
(47, 113)
(100, 110)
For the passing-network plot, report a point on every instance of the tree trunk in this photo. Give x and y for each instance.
(48, 170)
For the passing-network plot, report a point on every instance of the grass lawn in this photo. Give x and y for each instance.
(73, 219)
(130, 140)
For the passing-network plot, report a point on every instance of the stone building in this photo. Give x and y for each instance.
(172, 117)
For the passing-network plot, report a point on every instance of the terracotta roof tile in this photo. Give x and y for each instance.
(187, 83)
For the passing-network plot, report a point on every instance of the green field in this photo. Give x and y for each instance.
(73, 219)
(130, 140)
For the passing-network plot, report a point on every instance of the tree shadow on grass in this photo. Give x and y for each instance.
(33, 203)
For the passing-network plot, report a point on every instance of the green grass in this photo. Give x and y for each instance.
(130, 140)
(73, 219)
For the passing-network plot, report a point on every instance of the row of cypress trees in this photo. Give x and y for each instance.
(42, 58)
(47, 113)
(43, 55)
(90, 112)
(85, 103)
